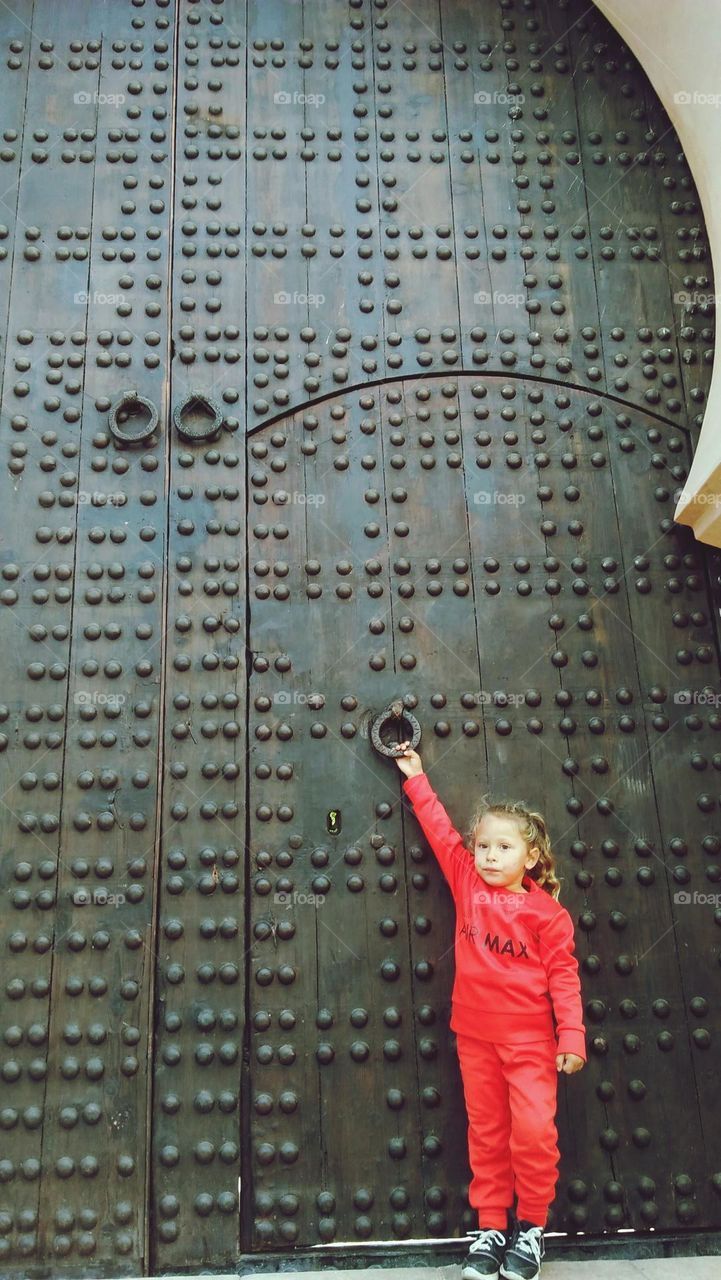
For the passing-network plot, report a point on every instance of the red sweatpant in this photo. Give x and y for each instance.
(510, 1092)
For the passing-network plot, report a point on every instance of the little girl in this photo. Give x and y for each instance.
(515, 972)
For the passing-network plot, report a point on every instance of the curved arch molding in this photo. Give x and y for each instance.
(678, 49)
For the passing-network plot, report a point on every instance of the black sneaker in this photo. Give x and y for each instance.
(524, 1253)
(485, 1254)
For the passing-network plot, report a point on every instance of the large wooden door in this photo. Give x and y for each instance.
(419, 295)
(480, 546)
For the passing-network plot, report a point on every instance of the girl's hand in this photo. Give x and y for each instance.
(569, 1062)
(409, 762)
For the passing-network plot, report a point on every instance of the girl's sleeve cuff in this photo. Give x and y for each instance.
(572, 1042)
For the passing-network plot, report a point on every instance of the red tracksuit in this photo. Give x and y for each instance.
(515, 972)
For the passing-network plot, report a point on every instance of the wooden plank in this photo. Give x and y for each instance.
(624, 193)
(688, 355)
(47, 958)
(563, 308)
(615, 754)
(27, 953)
(436, 661)
(671, 614)
(283, 1119)
(200, 996)
(414, 190)
(518, 577)
(275, 211)
(342, 239)
(108, 831)
(16, 28)
(364, 967)
(489, 187)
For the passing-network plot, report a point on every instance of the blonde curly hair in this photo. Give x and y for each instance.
(532, 828)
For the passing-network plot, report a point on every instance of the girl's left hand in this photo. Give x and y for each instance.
(568, 1062)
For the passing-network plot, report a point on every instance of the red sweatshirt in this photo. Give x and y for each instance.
(515, 964)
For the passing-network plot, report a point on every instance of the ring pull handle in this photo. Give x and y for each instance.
(197, 417)
(123, 409)
(395, 719)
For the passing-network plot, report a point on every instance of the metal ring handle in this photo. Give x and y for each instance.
(398, 714)
(128, 399)
(207, 431)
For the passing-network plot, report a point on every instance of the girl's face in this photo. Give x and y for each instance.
(501, 854)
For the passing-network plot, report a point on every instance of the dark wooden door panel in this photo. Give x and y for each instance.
(491, 584)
